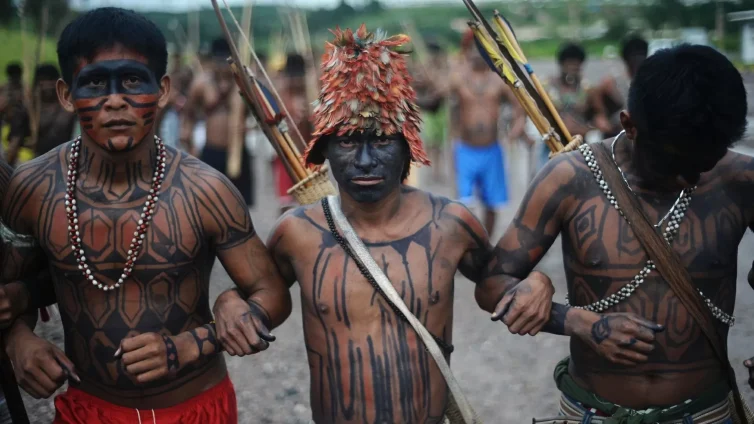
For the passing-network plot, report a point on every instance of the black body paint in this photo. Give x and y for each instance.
(171, 354)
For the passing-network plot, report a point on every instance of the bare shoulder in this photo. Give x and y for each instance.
(735, 166)
(29, 185)
(301, 224)
(222, 209)
(199, 175)
(5, 173)
(451, 216)
(562, 168)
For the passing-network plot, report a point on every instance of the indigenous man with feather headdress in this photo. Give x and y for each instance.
(367, 364)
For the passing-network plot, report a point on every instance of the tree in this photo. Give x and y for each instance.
(7, 11)
(34, 10)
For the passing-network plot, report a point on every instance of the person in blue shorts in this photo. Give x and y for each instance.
(478, 154)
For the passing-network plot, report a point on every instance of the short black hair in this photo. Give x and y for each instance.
(46, 72)
(690, 96)
(571, 51)
(106, 27)
(219, 49)
(634, 46)
(295, 65)
(14, 70)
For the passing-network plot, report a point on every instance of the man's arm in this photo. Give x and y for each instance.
(249, 265)
(188, 116)
(518, 126)
(19, 129)
(41, 368)
(596, 101)
(230, 306)
(21, 256)
(530, 299)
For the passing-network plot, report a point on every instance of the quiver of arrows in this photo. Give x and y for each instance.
(500, 49)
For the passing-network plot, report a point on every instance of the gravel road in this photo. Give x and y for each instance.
(507, 378)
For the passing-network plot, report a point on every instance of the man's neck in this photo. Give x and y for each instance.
(117, 168)
(625, 157)
(371, 215)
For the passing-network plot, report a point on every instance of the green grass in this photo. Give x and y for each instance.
(12, 48)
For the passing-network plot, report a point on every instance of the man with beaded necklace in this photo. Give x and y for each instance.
(638, 356)
(145, 223)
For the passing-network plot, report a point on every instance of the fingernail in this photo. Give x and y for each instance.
(117, 352)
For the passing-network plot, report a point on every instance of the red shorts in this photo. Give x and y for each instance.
(283, 182)
(216, 406)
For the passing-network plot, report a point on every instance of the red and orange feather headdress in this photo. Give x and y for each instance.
(365, 87)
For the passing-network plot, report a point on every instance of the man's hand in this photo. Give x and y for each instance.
(41, 368)
(749, 363)
(622, 338)
(12, 303)
(525, 308)
(242, 326)
(152, 356)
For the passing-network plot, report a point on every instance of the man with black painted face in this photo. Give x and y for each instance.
(368, 365)
(130, 230)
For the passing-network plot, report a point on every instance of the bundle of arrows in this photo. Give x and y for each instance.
(503, 54)
(273, 119)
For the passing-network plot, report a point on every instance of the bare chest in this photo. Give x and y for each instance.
(597, 238)
(421, 269)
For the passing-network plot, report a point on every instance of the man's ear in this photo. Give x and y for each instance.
(628, 125)
(64, 96)
(164, 92)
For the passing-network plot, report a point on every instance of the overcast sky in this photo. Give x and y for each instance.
(184, 5)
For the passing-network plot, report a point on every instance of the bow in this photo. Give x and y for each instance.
(503, 54)
(270, 113)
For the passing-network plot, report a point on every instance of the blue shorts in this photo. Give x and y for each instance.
(483, 169)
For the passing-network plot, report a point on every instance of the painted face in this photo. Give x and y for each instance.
(116, 101)
(366, 166)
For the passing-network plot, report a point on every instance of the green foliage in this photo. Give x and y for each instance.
(7, 11)
(12, 50)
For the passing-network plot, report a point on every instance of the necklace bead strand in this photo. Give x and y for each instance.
(137, 242)
(676, 214)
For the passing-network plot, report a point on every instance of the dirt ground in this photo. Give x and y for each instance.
(507, 378)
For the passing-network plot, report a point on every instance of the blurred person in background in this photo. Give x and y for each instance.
(293, 94)
(569, 92)
(12, 108)
(56, 125)
(210, 95)
(477, 152)
(611, 96)
(433, 104)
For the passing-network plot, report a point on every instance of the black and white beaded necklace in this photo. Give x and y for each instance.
(674, 216)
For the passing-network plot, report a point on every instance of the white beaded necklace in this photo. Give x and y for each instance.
(146, 216)
(676, 214)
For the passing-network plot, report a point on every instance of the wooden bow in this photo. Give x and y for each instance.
(265, 103)
(503, 54)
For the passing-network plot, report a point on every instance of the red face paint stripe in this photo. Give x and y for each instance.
(89, 105)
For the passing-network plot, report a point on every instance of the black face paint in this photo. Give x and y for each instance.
(114, 77)
(366, 166)
(139, 89)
